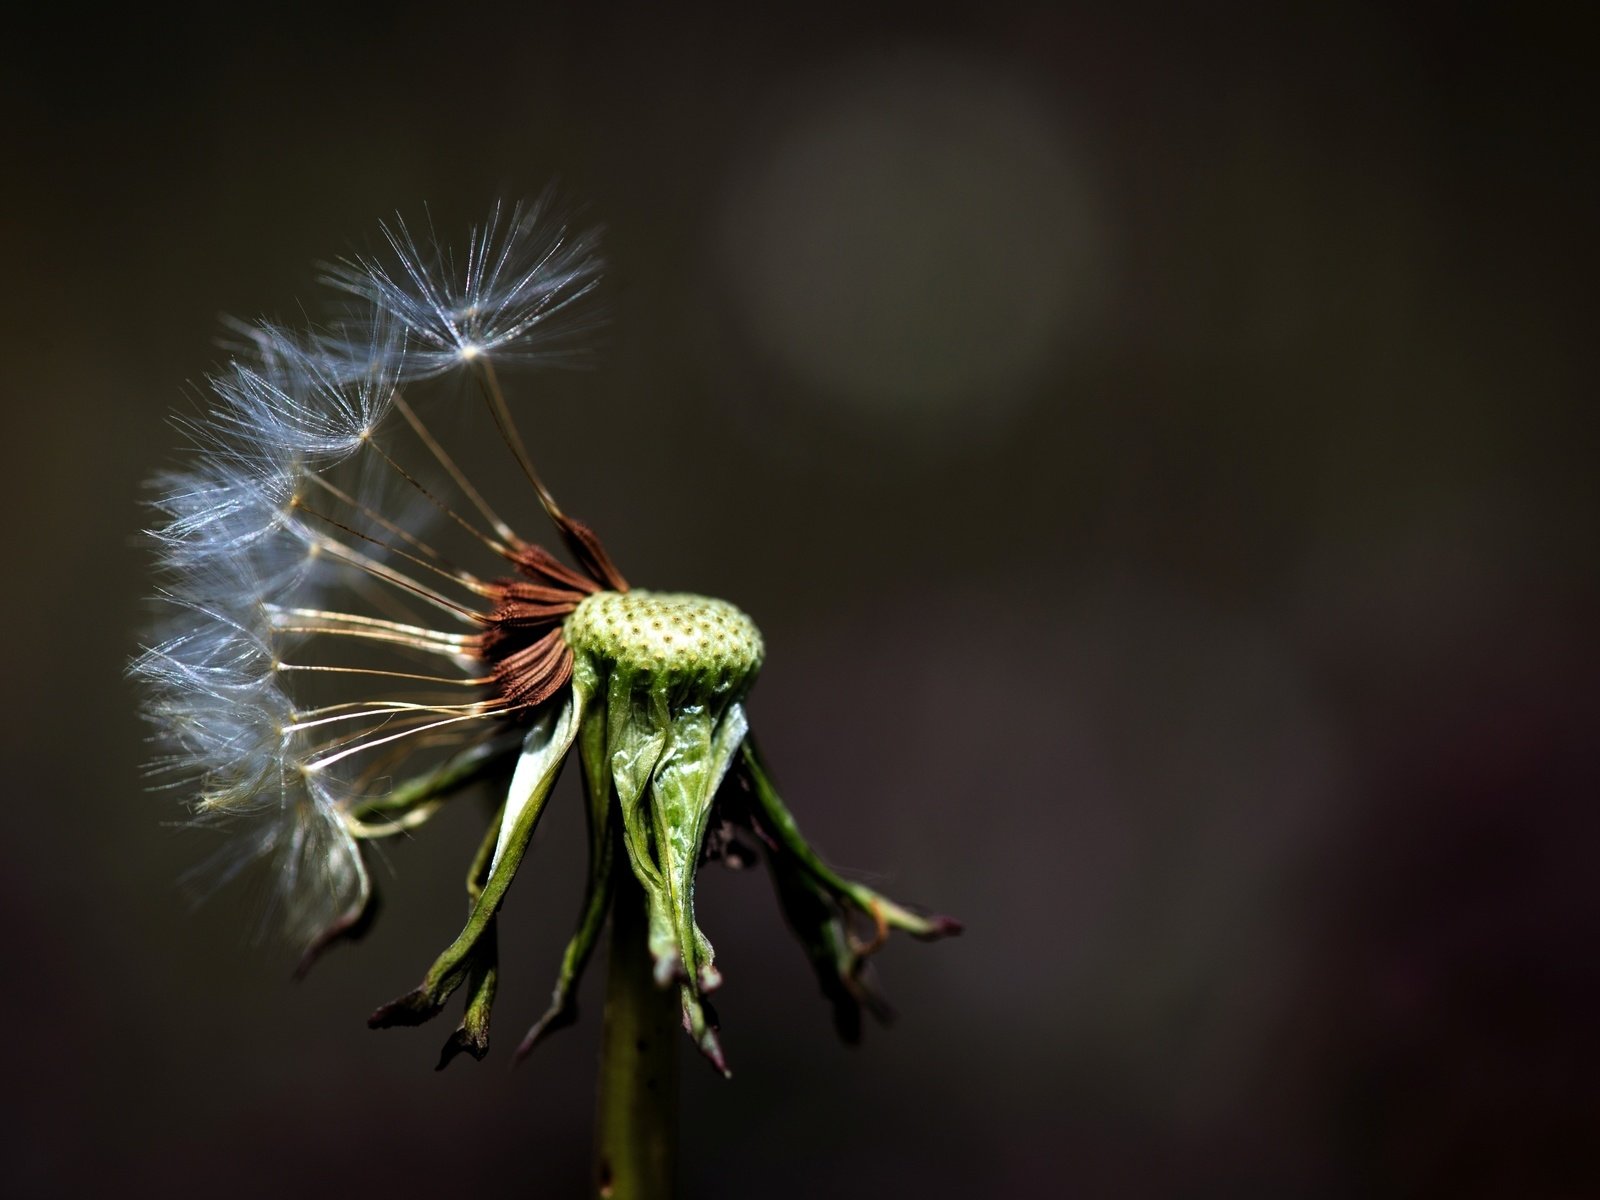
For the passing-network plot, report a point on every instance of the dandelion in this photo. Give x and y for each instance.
(327, 675)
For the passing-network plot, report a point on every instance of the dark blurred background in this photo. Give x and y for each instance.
(1158, 449)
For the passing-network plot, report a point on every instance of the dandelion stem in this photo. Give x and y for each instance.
(636, 1146)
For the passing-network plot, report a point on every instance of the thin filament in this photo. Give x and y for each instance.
(435, 501)
(450, 680)
(466, 580)
(354, 557)
(379, 519)
(319, 763)
(343, 618)
(364, 710)
(490, 385)
(505, 531)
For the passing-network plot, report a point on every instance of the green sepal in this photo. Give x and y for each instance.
(823, 932)
(483, 977)
(398, 810)
(563, 1010)
(636, 735)
(777, 821)
(544, 751)
(700, 1023)
(472, 1035)
(696, 759)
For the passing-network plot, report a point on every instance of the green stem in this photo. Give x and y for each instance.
(636, 1149)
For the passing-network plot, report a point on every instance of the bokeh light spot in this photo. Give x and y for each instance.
(920, 245)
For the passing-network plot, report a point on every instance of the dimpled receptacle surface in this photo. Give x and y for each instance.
(667, 633)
